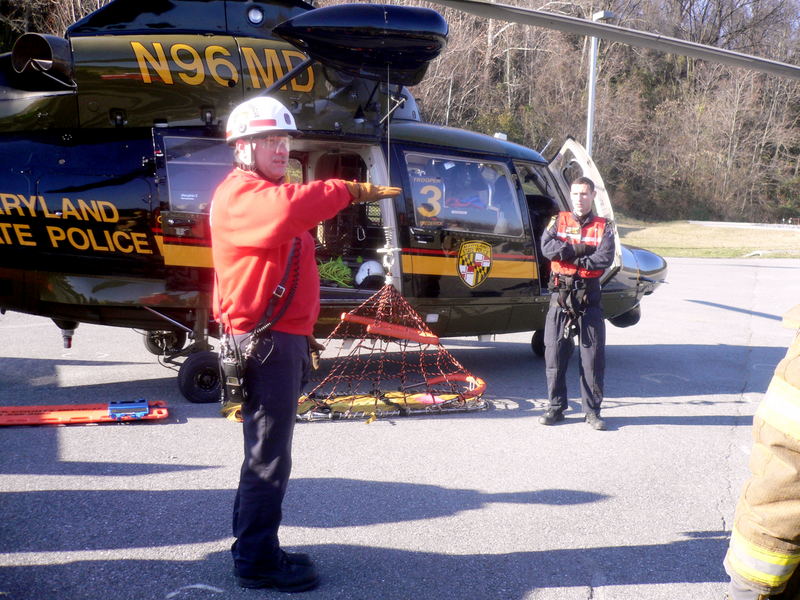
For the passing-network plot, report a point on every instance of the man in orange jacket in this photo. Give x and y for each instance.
(580, 246)
(266, 268)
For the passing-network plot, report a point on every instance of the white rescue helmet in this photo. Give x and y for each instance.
(370, 273)
(259, 116)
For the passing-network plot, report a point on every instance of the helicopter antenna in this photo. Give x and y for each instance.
(69, 84)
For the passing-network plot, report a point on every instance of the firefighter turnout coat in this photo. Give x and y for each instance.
(764, 549)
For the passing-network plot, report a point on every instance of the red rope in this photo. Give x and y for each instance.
(393, 352)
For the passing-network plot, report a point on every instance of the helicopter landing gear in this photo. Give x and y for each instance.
(164, 343)
(198, 375)
(537, 342)
(199, 379)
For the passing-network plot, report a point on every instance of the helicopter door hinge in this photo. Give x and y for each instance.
(118, 117)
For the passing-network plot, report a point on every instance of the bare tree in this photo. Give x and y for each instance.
(42, 16)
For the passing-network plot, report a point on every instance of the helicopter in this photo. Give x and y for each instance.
(113, 144)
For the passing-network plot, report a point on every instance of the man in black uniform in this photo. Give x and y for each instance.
(580, 247)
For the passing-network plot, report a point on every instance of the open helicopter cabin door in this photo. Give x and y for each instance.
(571, 162)
(189, 168)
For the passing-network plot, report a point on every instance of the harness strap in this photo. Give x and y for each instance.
(268, 321)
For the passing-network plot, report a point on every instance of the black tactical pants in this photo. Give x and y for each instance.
(269, 414)
(592, 345)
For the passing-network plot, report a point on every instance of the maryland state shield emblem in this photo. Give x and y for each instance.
(474, 262)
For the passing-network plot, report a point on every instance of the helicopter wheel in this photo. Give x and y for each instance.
(198, 378)
(162, 343)
(537, 343)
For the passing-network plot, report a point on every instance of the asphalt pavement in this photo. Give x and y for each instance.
(487, 505)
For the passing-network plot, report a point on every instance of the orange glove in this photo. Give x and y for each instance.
(368, 192)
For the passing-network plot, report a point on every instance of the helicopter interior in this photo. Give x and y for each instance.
(355, 233)
(541, 208)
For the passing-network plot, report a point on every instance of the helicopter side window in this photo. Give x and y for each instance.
(463, 195)
(195, 167)
(502, 199)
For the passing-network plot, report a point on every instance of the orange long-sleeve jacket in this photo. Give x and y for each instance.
(253, 226)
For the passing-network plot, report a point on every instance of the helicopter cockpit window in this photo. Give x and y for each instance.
(195, 167)
(463, 195)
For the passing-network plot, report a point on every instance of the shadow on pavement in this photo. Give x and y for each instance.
(370, 573)
(112, 519)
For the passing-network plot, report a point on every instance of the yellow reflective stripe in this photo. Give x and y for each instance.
(755, 563)
(781, 407)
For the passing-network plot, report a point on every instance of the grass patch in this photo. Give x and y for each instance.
(684, 239)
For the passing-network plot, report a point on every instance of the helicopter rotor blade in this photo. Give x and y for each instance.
(654, 41)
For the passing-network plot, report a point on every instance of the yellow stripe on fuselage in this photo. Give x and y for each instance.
(187, 256)
(200, 256)
(448, 265)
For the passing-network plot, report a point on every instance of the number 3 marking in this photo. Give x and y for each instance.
(432, 205)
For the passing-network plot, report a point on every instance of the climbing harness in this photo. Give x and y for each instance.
(572, 299)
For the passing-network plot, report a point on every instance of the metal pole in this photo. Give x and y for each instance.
(592, 82)
(602, 15)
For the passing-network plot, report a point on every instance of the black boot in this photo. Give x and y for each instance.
(289, 576)
(552, 416)
(595, 422)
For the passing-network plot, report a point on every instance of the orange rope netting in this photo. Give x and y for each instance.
(390, 363)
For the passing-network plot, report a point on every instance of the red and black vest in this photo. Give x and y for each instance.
(568, 228)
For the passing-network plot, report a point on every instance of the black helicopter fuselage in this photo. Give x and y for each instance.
(111, 146)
